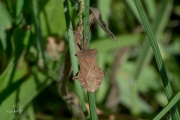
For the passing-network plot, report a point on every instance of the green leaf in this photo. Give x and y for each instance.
(125, 83)
(25, 93)
(19, 7)
(52, 18)
(106, 44)
(174, 47)
(5, 76)
(19, 37)
(151, 8)
(5, 23)
(148, 83)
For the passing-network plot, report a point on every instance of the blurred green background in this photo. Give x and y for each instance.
(33, 44)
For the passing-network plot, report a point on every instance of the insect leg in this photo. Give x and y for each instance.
(75, 77)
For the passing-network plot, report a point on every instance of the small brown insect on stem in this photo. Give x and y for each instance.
(90, 74)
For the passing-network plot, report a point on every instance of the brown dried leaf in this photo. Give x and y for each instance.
(98, 17)
(91, 19)
(53, 46)
(78, 36)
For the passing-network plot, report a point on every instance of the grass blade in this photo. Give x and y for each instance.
(168, 107)
(39, 39)
(158, 57)
(159, 24)
(91, 96)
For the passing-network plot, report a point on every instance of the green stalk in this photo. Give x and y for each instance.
(159, 23)
(86, 18)
(158, 57)
(39, 39)
(91, 96)
(92, 105)
(72, 50)
(168, 107)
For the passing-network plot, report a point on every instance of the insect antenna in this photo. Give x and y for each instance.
(75, 32)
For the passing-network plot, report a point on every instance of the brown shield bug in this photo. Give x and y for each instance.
(90, 74)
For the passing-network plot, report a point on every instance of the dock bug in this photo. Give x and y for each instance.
(90, 74)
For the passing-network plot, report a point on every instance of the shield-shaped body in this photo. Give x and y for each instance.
(90, 75)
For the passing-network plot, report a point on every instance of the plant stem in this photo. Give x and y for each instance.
(72, 50)
(92, 105)
(91, 97)
(86, 19)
